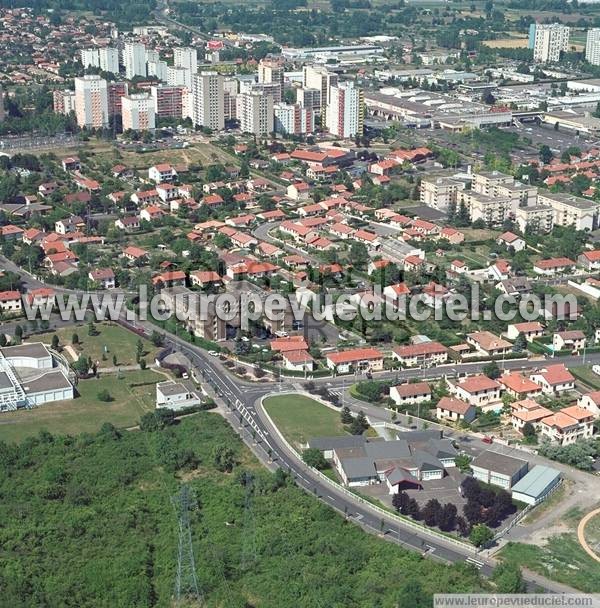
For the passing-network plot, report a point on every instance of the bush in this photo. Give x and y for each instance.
(314, 458)
(480, 535)
(105, 396)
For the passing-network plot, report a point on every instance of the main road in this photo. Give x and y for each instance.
(244, 399)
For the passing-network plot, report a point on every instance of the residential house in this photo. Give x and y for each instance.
(519, 386)
(568, 425)
(530, 329)
(360, 359)
(553, 266)
(205, 278)
(488, 344)
(512, 240)
(590, 260)
(162, 173)
(456, 410)
(410, 393)
(10, 302)
(573, 340)
(554, 379)
(590, 402)
(425, 354)
(479, 391)
(135, 254)
(104, 277)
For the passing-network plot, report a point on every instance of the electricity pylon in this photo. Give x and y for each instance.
(187, 592)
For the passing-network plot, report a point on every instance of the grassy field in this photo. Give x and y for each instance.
(87, 413)
(587, 376)
(562, 559)
(300, 418)
(592, 534)
(118, 341)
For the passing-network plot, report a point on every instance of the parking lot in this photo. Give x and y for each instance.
(555, 140)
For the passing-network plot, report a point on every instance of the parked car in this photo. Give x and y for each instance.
(488, 439)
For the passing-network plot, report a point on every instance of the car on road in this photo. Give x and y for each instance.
(213, 353)
(488, 439)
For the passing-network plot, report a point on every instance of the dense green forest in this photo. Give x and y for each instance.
(88, 521)
(120, 12)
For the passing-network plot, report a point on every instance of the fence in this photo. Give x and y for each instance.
(409, 523)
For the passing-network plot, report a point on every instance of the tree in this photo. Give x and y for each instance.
(491, 370)
(413, 510)
(3, 340)
(139, 350)
(463, 526)
(412, 595)
(346, 416)
(431, 512)
(92, 329)
(74, 339)
(55, 341)
(400, 502)
(82, 365)
(359, 424)
(314, 458)
(520, 343)
(508, 578)
(359, 255)
(529, 431)
(480, 535)
(546, 154)
(447, 517)
(19, 332)
(157, 338)
(224, 458)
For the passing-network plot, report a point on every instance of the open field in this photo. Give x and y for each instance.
(586, 375)
(300, 418)
(506, 43)
(560, 557)
(87, 413)
(117, 340)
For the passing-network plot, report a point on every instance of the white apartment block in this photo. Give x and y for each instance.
(160, 69)
(293, 119)
(592, 46)
(63, 101)
(255, 113)
(2, 104)
(152, 55)
(271, 71)
(309, 98)
(208, 100)
(134, 58)
(318, 77)
(91, 102)
(186, 57)
(179, 77)
(90, 58)
(138, 112)
(109, 59)
(345, 112)
(493, 210)
(550, 40)
(230, 91)
(539, 217)
(570, 210)
(440, 192)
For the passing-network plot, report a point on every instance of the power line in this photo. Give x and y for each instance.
(187, 591)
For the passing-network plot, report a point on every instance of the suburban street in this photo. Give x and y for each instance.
(244, 398)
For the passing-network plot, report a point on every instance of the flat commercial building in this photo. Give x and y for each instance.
(536, 485)
(497, 469)
(31, 375)
(91, 102)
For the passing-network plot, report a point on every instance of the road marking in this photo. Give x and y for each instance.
(475, 562)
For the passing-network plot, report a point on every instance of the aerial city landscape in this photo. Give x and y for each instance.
(299, 303)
